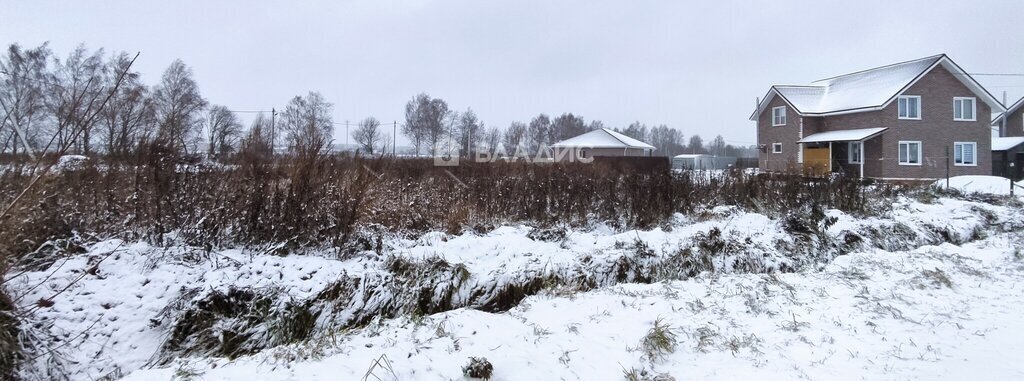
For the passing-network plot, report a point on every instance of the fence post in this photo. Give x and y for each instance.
(947, 167)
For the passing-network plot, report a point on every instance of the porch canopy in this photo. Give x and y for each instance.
(857, 135)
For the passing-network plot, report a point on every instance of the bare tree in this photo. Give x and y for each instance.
(369, 135)
(566, 126)
(178, 106)
(468, 130)
(636, 130)
(427, 121)
(667, 141)
(696, 145)
(515, 137)
(74, 87)
(128, 117)
(539, 133)
(257, 142)
(717, 145)
(223, 131)
(308, 125)
(23, 75)
(492, 139)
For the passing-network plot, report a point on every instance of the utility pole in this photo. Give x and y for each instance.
(273, 136)
(394, 138)
(346, 134)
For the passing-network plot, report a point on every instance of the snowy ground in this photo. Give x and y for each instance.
(994, 185)
(876, 315)
(869, 314)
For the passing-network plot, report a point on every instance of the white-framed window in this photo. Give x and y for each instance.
(965, 153)
(779, 116)
(964, 109)
(910, 153)
(909, 107)
(776, 147)
(855, 153)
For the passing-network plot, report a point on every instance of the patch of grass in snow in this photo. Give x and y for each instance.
(794, 325)
(933, 279)
(634, 374)
(186, 372)
(659, 341)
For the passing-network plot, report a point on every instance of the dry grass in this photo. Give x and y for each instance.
(659, 341)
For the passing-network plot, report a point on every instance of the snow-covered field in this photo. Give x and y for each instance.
(872, 315)
(993, 185)
(927, 290)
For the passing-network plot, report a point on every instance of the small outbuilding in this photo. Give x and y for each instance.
(1008, 157)
(703, 161)
(600, 142)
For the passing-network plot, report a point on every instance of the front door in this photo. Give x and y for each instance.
(817, 161)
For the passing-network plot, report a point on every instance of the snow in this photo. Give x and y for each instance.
(1003, 144)
(864, 89)
(870, 313)
(70, 163)
(603, 138)
(842, 135)
(981, 184)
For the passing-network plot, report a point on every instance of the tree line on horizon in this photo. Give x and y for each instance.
(92, 102)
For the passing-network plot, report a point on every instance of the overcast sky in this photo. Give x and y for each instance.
(697, 68)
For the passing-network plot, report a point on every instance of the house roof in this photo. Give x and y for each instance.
(843, 135)
(1009, 110)
(692, 155)
(1003, 144)
(603, 138)
(867, 90)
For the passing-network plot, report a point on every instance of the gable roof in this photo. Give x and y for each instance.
(1009, 110)
(603, 138)
(867, 90)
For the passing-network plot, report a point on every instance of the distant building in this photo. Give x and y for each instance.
(601, 142)
(1008, 148)
(702, 161)
(910, 120)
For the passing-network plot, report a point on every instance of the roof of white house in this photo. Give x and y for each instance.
(867, 90)
(603, 138)
(1009, 110)
(692, 155)
(1003, 144)
(843, 135)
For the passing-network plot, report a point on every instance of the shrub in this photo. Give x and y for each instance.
(478, 367)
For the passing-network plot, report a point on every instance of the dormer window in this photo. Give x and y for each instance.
(779, 116)
(909, 107)
(963, 109)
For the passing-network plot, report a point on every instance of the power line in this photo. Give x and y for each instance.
(998, 74)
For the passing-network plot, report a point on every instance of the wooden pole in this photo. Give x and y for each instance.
(947, 167)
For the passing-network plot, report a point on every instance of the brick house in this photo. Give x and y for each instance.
(906, 121)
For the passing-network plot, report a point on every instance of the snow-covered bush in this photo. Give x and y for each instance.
(478, 367)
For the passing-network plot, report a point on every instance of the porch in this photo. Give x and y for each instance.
(822, 153)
